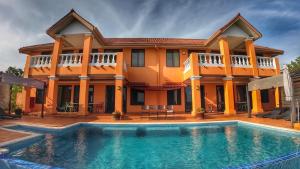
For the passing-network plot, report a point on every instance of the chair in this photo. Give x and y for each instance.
(170, 110)
(3, 115)
(153, 109)
(161, 108)
(69, 107)
(145, 109)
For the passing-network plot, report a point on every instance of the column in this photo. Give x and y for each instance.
(51, 99)
(228, 80)
(250, 48)
(26, 90)
(195, 84)
(84, 79)
(229, 96)
(26, 99)
(225, 52)
(256, 102)
(277, 97)
(277, 89)
(119, 77)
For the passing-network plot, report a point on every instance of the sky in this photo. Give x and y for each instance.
(24, 22)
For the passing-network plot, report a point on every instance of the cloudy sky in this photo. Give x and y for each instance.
(24, 22)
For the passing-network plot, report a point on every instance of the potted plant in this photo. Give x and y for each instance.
(117, 115)
(18, 112)
(200, 112)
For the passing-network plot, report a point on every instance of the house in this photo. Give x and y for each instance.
(86, 72)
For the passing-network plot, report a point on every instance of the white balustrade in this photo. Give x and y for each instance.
(266, 62)
(40, 61)
(187, 64)
(103, 59)
(240, 61)
(210, 59)
(70, 59)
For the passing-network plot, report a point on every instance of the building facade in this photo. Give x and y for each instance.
(86, 72)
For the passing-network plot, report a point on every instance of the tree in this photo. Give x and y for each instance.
(294, 66)
(15, 89)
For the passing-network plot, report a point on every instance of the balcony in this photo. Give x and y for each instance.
(40, 61)
(70, 59)
(240, 61)
(210, 59)
(266, 62)
(103, 59)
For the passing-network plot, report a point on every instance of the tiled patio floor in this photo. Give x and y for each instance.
(58, 121)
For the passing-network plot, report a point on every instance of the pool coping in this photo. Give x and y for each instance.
(33, 135)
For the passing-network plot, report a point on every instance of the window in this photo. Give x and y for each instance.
(264, 96)
(174, 97)
(39, 98)
(138, 58)
(173, 58)
(63, 96)
(137, 97)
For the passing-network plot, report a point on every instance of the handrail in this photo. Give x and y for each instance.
(103, 59)
(210, 59)
(40, 61)
(265, 62)
(70, 59)
(240, 61)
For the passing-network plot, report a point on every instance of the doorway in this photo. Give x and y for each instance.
(220, 98)
(188, 99)
(110, 99)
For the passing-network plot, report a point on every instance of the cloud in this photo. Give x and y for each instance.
(25, 22)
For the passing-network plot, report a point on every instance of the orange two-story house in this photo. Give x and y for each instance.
(86, 72)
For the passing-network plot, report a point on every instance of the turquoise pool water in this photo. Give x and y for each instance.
(177, 146)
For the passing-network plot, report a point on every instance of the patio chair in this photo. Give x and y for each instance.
(170, 110)
(145, 109)
(161, 108)
(276, 111)
(3, 115)
(153, 109)
(284, 115)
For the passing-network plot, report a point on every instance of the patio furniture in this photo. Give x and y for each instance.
(161, 108)
(145, 109)
(3, 115)
(69, 107)
(153, 109)
(170, 110)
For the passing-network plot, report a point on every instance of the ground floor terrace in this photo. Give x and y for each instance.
(216, 95)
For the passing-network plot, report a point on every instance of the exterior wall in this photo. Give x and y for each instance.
(155, 73)
(4, 96)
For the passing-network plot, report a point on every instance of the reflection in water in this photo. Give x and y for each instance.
(211, 146)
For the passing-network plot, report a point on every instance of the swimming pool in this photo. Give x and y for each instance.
(204, 145)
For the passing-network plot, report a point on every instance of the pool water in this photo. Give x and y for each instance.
(136, 147)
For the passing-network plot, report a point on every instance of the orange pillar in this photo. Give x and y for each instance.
(51, 99)
(195, 84)
(228, 80)
(277, 89)
(26, 99)
(256, 102)
(119, 77)
(225, 52)
(252, 56)
(84, 79)
(229, 96)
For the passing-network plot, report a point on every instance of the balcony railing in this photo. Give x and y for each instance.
(210, 59)
(103, 59)
(240, 61)
(187, 64)
(70, 59)
(40, 61)
(266, 62)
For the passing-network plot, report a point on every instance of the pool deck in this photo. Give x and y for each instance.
(60, 121)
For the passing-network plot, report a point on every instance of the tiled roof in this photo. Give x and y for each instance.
(174, 41)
